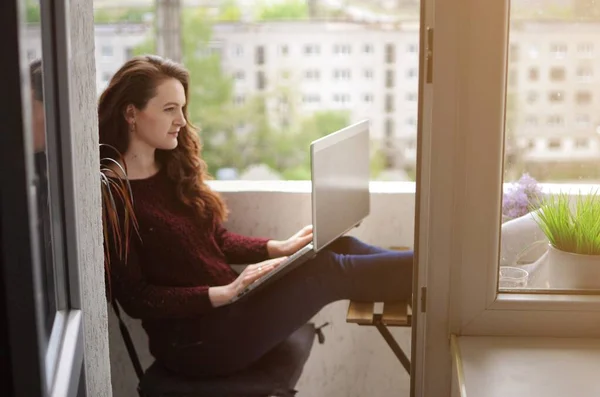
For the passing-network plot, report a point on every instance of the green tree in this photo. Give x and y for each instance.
(32, 12)
(221, 123)
(290, 9)
(238, 136)
(230, 12)
(112, 15)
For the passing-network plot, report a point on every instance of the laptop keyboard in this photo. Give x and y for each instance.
(293, 257)
(297, 254)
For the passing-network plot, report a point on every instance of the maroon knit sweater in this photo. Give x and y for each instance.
(168, 272)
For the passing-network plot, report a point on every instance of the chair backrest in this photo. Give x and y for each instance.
(133, 356)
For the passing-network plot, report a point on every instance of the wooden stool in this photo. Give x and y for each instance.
(394, 314)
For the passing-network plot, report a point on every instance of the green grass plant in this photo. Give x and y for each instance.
(572, 228)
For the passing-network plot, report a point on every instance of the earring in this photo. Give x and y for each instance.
(132, 126)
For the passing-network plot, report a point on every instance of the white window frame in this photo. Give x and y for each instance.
(459, 184)
(476, 187)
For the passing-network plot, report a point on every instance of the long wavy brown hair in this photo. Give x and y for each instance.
(135, 83)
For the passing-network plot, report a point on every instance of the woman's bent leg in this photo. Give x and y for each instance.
(232, 337)
(352, 245)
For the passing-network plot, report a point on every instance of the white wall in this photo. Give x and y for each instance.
(354, 361)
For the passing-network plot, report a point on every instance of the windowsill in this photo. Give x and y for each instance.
(526, 367)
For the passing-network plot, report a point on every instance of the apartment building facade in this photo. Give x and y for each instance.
(371, 71)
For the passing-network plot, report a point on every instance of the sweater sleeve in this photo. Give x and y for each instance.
(141, 299)
(240, 249)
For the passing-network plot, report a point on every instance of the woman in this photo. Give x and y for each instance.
(177, 277)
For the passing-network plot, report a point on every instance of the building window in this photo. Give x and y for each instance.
(555, 120)
(311, 98)
(557, 74)
(239, 75)
(129, 53)
(341, 99)
(411, 121)
(558, 50)
(556, 96)
(107, 51)
(213, 50)
(261, 81)
(390, 53)
(239, 99)
(284, 50)
(237, 50)
(342, 74)
(582, 143)
(411, 73)
(532, 97)
(389, 128)
(583, 98)
(342, 49)
(389, 78)
(411, 96)
(554, 144)
(369, 74)
(260, 55)
(389, 103)
(312, 49)
(312, 74)
(582, 120)
(585, 49)
(368, 98)
(368, 48)
(412, 48)
(106, 76)
(585, 73)
(534, 74)
(531, 121)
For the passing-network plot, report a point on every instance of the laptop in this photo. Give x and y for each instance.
(340, 195)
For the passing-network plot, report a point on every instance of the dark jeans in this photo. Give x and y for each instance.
(233, 336)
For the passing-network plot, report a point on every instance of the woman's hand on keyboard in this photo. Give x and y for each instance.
(223, 294)
(287, 247)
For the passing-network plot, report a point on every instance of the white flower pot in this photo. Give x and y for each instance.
(573, 271)
(522, 241)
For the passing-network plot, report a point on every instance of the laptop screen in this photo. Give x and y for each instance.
(340, 182)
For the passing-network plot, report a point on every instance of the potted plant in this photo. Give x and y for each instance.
(521, 197)
(118, 217)
(520, 233)
(572, 226)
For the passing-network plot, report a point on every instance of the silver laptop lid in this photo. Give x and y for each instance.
(340, 182)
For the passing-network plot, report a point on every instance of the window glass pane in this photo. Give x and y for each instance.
(40, 155)
(336, 62)
(550, 228)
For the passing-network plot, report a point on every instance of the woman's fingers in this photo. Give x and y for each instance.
(258, 273)
(260, 269)
(306, 239)
(306, 230)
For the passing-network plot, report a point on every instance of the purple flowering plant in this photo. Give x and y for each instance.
(521, 197)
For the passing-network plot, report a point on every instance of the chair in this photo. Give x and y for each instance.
(274, 375)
